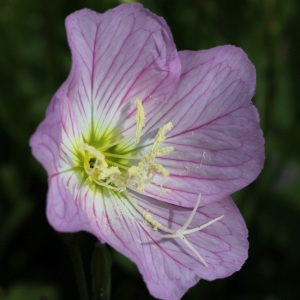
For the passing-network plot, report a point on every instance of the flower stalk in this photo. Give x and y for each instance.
(72, 241)
(101, 272)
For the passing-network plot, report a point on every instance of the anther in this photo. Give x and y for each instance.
(140, 119)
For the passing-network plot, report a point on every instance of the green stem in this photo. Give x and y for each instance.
(72, 242)
(101, 272)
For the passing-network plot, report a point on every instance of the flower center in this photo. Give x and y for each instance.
(117, 168)
(113, 169)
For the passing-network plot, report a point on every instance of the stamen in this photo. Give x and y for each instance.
(96, 153)
(164, 151)
(160, 137)
(140, 117)
(147, 161)
(104, 171)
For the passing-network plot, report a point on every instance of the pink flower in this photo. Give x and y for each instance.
(143, 146)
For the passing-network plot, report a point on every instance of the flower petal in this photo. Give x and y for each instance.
(46, 140)
(168, 266)
(126, 52)
(64, 211)
(218, 144)
(53, 146)
(55, 139)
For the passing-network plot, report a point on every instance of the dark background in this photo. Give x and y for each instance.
(35, 60)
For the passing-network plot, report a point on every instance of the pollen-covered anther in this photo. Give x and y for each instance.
(135, 176)
(155, 224)
(100, 171)
(93, 153)
(107, 173)
(156, 168)
(113, 173)
(146, 167)
(160, 137)
(140, 119)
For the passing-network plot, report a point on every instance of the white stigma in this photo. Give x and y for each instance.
(181, 232)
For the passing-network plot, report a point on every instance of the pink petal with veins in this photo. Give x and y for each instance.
(168, 266)
(115, 62)
(218, 144)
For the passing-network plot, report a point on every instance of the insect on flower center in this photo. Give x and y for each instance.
(117, 171)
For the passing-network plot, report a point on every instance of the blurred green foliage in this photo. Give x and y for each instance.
(35, 60)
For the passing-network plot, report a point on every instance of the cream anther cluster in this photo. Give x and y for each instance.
(136, 176)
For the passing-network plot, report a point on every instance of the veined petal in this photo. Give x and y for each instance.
(46, 140)
(53, 145)
(64, 211)
(218, 144)
(71, 137)
(113, 62)
(168, 266)
(57, 136)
